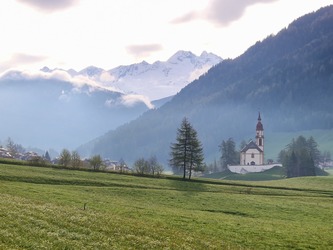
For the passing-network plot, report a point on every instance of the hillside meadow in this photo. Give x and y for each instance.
(47, 208)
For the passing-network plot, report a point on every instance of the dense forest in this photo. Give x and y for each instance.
(287, 76)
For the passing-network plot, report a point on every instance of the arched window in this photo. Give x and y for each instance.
(260, 142)
(252, 155)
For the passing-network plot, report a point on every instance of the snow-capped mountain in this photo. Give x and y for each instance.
(157, 80)
(64, 108)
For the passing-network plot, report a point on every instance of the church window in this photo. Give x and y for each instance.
(252, 155)
(260, 142)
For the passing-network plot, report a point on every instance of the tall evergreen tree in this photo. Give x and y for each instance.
(47, 156)
(298, 157)
(229, 154)
(313, 149)
(186, 152)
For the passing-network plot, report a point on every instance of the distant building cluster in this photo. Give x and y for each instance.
(27, 156)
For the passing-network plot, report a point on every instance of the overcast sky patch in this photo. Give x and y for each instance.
(221, 12)
(21, 58)
(143, 50)
(49, 5)
(18, 59)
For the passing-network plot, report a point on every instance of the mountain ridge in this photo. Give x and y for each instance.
(155, 81)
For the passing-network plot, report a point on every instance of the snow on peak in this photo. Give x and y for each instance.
(162, 79)
(91, 71)
(180, 56)
(155, 81)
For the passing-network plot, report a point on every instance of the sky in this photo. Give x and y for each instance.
(108, 33)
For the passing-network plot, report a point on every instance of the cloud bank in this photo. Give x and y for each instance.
(221, 12)
(130, 100)
(79, 83)
(49, 5)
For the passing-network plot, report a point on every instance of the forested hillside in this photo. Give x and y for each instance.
(288, 77)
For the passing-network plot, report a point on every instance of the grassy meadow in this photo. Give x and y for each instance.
(45, 208)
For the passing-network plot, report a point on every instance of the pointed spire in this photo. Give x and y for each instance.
(259, 126)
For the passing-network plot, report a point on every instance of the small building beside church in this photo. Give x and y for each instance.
(253, 152)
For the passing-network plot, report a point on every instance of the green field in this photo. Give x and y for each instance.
(45, 208)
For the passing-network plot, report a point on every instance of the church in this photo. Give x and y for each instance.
(253, 152)
(252, 155)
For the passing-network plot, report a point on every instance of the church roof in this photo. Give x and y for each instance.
(251, 145)
(259, 126)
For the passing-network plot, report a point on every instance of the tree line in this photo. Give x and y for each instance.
(301, 157)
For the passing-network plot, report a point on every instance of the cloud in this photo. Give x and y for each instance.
(80, 84)
(221, 12)
(143, 50)
(198, 72)
(107, 77)
(49, 5)
(130, 100)
(77, 81)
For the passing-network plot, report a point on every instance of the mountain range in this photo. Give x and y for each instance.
(56, 108)
(288, 77)
(155, 81)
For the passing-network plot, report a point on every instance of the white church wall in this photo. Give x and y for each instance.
(256, 157)
(241, 169)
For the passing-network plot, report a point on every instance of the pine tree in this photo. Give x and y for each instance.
(47, 156)
(186, 152)
(229, 154)
(299, 157)
(313, 149)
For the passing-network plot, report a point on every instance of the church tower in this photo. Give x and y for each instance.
(260, 136)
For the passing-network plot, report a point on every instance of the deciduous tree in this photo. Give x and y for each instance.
(76, 160)
(96, 162)
(65, 157)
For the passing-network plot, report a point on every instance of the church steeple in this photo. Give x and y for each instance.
(259, 127)
(253, 152)
(260, 133)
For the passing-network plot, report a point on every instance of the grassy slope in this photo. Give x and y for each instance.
(43, 208)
